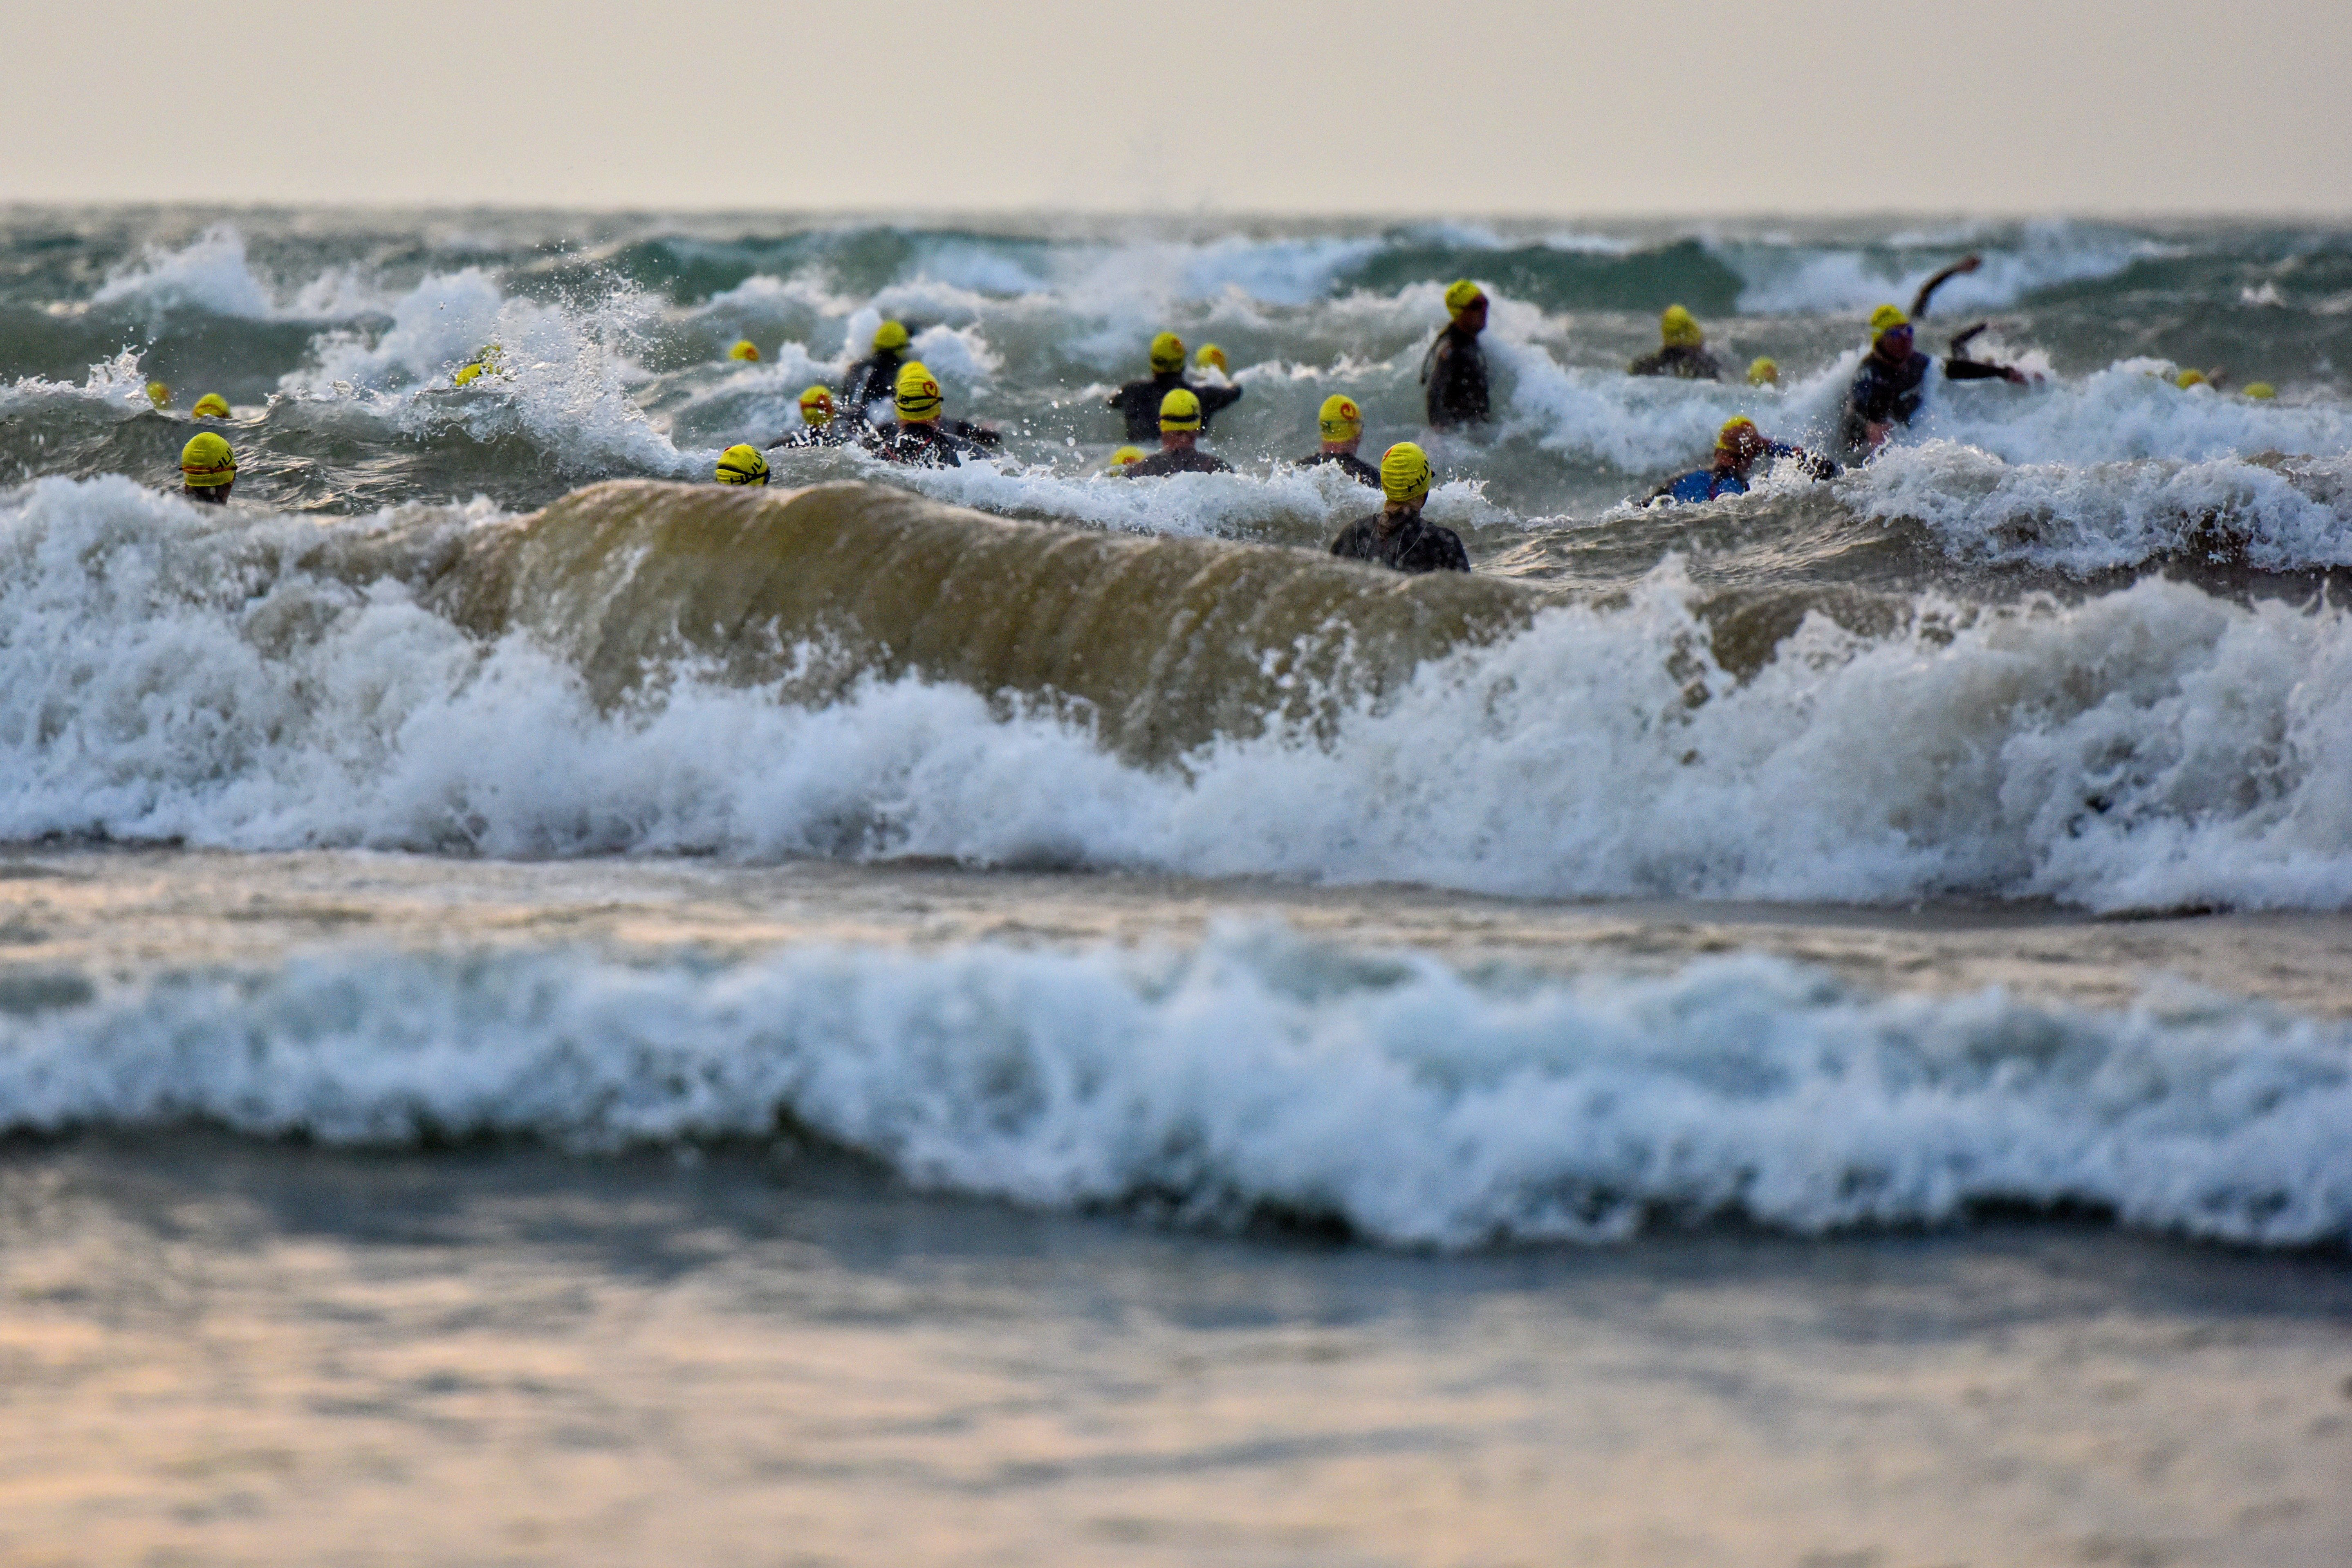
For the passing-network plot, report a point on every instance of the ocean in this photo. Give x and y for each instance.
(552, 1011)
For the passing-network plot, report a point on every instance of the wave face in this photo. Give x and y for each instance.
(1262, 1075)
(855, 672)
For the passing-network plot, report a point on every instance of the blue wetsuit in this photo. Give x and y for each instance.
(1708, 484)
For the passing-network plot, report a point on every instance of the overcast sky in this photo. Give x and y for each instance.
(1470, 107)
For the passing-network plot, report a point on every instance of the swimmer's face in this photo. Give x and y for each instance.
(1894, 342)
(1473, 316)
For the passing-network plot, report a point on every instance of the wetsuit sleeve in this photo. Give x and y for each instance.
(1216, 397)
(1973, 369)
(1441, 372)
(1927, 289)
(1648, 364)
(1706, 366)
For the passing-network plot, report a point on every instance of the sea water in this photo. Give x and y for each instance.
(550, 1012)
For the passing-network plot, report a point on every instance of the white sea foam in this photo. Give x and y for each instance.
(1417, 1104)
(1785, 279)
(212, 272)
(171, 674)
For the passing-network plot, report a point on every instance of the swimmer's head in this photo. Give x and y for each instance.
(1211, 354)
(2188, 378)
(742, 465)
(1463, 295)
(816, 408)
(1180, 410)
(1739, 440)
(207, 465)
(1762, 371)
(158, 394)
(1167, 353)
(1679, 328)
(1405, 473)
(1341, 419)
(1889, 319)
(1125, 456)
(211, 406)
(745, 349)
(889, 335)
(2260, 391)
(917, 394)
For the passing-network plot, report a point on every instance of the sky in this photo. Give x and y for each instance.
(1477, 107)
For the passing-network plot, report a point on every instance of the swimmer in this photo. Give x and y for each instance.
(1454, 368)
(2213, 378)
(876, 377)
(1123, 457)
(1395, 536)
(1682, 351)
(208, 469)
(745, 349)
(817, 426)
(1138, 402)
(1887, 389)
(159, 396)
(1212, 357)
(742, 465)
(1180, 419)
(488, 360)
(1762, 371)
(1738, 447)
(915, 439)
(1341, 424)
(211, 406)
(2260, 391)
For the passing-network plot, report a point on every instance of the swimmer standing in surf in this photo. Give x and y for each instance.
(1395, 536)
(1887, 389)
(1682, 351)
(1342, 426)
(1181, 418)
(1139, 402)
(1454, 368)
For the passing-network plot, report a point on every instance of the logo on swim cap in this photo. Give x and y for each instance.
(745, 349)
(1167, 351)
(891, 335)
(742, 465)
(1462, 295)
(1679, 328)
(1180, 410)
(1340, 420)
(205, 462)
(816, 406)
(1406, 474)
(917, 394)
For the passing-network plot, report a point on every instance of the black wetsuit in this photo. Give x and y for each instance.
(924, 446)
(1177, 460)
(1887, 393)
(874, 379)
(1415, 546)
(1456, 375)
(1138, 402)
(1690, 364)
(1347, 463)
(839, 433)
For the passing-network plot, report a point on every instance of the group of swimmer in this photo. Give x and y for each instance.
(890, 405)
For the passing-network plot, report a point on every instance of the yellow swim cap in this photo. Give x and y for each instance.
(488, 360)
(205, 462)
(159, 394)
(917, 394)
(891, 335)
(1340, 420)
(1180, 410)
(211, 406)
(816, 408)
(1679, 328)
(745, 349)
(1167, 351)
(2188, 378)
(1726, 439)
(1211, 355)
(742, 465)
(1885, 319)
(1762, 371)
(2260, 391)
(466, 374)
(1461, 295)
(1125, 456)
(1406, 474)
